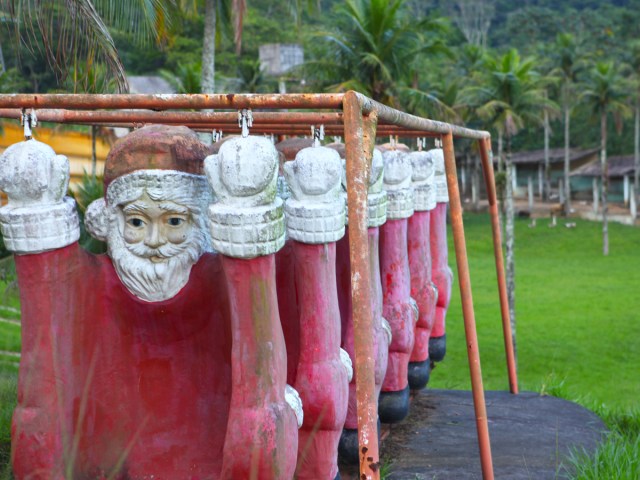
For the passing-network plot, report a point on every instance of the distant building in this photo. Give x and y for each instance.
(531, 164)
(150, 84)
(621, 173)
(279, 58)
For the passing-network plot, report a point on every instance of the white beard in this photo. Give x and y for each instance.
(149, 281)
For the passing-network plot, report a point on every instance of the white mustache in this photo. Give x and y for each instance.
(165, 251)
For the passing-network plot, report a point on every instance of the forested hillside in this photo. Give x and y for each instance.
(431, 80)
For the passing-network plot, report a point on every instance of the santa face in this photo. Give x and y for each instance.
(153, 245)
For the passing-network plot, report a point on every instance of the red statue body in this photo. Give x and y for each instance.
(422, 288)
(441, 272)
(149, 364)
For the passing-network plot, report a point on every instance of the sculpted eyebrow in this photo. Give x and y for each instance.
(134, 208)
(174, 208)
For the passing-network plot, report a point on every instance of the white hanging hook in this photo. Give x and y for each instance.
(337, 139)
(216, 135)
(422, 143)
(392, 141)
(438, 142)
(245, 121)
(28, 121)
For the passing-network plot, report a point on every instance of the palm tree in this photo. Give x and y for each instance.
(605, 91)
(373, 48)
(225, 10)
(569, 62)
(509, 95)
(74, 34)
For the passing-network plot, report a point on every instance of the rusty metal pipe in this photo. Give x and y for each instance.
(468, 314)
(359, 138)
(203, 101)
(487, 167)
(391, 115)
(173, 117)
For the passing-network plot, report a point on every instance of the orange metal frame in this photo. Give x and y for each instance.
(359, 120)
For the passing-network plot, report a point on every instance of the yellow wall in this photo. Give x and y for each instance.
(76, 146)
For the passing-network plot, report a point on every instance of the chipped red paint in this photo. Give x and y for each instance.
(288, 307)
(261, 439)
(381, 343)
(107, 379)
(421, 289)
(321, 378)
(440, 270)
(397, 308)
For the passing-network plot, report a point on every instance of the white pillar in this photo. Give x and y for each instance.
(463, 179)
(514, 178)
(530, 193)
(625, 185)
(541, 180)
(632, 203)
(596, 195)
(561, 191)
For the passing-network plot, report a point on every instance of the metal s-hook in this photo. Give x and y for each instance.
(245, 121)
(422, 143)
(216, 135)
(29, 121)
(317, 134)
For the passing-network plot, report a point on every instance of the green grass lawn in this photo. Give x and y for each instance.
(577, 312)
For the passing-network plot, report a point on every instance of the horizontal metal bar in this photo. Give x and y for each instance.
(413, 125)
(412, 122)
(174, 118)
(173, 101)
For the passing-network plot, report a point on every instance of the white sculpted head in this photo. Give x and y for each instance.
(154, 224)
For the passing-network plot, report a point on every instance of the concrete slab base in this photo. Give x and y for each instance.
(531, 435)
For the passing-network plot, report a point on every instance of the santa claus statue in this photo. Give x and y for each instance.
(161, 359)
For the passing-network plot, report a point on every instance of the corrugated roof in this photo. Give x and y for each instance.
(149, 84)
(556, 155)
(619, 166)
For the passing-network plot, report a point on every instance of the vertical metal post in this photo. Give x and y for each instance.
(467, 308)
(359, 138)
(487, 166)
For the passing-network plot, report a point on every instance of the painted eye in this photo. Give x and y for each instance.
(175, 221)
(135, 222)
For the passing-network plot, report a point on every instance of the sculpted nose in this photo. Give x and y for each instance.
(154, 237)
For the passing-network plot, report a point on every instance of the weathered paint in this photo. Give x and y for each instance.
(110, 384)
(261, 439)
(381, 337)
(440, 270)
(397, 305)
(422, 289)
(321, 377)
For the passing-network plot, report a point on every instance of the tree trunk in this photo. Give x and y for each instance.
(547, 164)
(636, 152)
(605, 182)
(509, 244)
(475, 183)
(567, 186)
(500, 158)
(3, 67)
(209, 48)
(94, 157)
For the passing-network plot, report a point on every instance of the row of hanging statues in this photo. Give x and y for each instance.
(215, 339)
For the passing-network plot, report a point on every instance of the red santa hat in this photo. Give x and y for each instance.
(155, 157)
